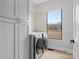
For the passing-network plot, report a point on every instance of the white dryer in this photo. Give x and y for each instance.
(35, 52)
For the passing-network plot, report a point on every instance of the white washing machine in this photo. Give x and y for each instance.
(35, 52)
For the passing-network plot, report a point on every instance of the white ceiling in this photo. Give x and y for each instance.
(38, 1)
(42, 1)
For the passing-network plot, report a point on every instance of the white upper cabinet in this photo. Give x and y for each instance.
(7, 8)
(22, 14)
(15, 9)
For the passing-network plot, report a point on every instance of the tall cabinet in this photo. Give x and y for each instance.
(14, 42)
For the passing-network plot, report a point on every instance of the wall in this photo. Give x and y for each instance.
(35, 20)
(40, 23)
(67, 23)
(32, 18)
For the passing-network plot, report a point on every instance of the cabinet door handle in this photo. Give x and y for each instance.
(17, 18)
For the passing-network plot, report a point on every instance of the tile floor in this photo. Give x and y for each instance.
(56, 55)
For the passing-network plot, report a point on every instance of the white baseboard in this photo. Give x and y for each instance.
(61, 49)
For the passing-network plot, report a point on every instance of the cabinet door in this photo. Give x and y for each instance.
(7, 40)
(76, 27)
(22, 14)
(7, 8)
(0, 42)
(23, 42)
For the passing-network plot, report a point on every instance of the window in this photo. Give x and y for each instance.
(54, 24)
